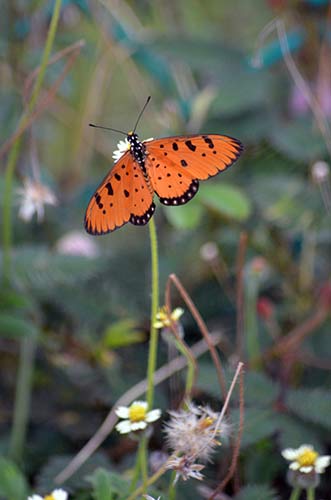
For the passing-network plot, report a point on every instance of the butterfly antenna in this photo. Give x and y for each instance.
(107, 128)
(141, 113)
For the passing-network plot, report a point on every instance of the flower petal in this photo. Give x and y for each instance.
(322, 463)
(137, 426)
(153, 415)
(143, 404)
(294, 466)
(60, 494)
(290, 454)
(124, 427)
(306, 469)
(122, 412)
(35, 497)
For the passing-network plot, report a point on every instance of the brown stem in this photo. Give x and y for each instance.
(203, 329)
(298, 334)
(177, 336)
(236, 448)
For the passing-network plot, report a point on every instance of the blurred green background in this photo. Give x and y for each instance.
(211, 67)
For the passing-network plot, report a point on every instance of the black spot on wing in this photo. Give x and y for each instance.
(184, 198)
(190, 145)
(183, 163)
(117, 176)
(109, 189)
(175, 146)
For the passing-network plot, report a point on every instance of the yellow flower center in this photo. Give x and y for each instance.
(206, 422)
(137, 413)
(307, 458)
(49, 497)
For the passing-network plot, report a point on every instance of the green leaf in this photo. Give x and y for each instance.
(256, 492)
(122, 333)
(297, 139)
(293, 433)
(15, 327)
(107, 485)
(13, 485)
(228, 200)
(312, 405)
(101, 482)
(186, 216)
(258, 424)
(45, 479)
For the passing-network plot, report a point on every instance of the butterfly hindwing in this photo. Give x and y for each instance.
(195, 157)
(123, 196)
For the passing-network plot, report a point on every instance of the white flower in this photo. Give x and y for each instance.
(77, 243)
(305, 459)
(55, 495)
(122, 147)
(34, 196)
(136, 417)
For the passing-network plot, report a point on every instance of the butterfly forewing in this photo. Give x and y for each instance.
(122, 196)
(202, 156)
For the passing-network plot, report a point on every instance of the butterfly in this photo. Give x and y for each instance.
(170, 167)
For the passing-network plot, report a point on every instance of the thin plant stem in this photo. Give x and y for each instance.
(22, 398)
(311, 494)
(28, 345)
(12, 160)
(150, 481)
(152, 355)
(295, 494)
(172, 487)
(203, 329)
(182, 346)
(191, 368)
(143, 460)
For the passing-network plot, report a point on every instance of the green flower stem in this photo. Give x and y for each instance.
(22, 398)
(190, 369)
(152, 355)
(311, 494)
(14, 152)
(28, 345)
(172, 487)
(295, 494)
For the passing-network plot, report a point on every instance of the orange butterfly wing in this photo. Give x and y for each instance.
(123, 196)
(176, 164)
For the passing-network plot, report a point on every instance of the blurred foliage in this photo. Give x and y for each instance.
(87, 303)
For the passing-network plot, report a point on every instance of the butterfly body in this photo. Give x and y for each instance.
(170, 168)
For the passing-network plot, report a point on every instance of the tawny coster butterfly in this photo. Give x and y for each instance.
(170, 167)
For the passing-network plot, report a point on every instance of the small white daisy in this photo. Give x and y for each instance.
(136, 416)
(34, 196)
(306, 460)
(55, 495)
(122, 147)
